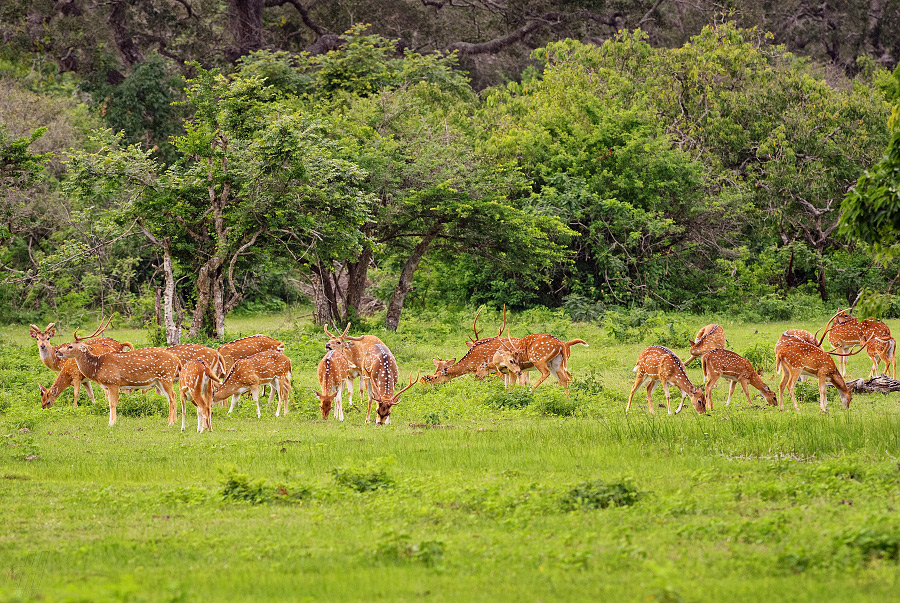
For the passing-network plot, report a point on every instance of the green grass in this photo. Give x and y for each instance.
(471, 494)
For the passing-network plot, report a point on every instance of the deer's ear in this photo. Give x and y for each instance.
(437, 362)
(51, 333)
(44, 390)
(452, 361)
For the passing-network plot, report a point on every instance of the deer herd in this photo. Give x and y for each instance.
(245, 366)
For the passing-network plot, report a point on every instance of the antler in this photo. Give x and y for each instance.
(99, 330)
(503, 326)
(477, 332)
(329, 333)
(411, 383)
(347, 328)
(827, 325)
(862, 346)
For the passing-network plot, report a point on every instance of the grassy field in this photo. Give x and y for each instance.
(472, 493)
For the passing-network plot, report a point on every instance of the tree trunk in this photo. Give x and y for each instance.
(392, 320)
(323, 308)
(219, 304)
(118, 21)
(173, 330)
(157, 306)
(206, 293)
(245, 22)
(356, 281)
(823, 291)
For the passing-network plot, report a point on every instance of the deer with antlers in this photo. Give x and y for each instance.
(661, 365)
(844, 332)
(545, 353)
(126, 371)
(736, 369)
(355, 349)
(798, 358)
(270, 368)
(477, 339)
(196, 382)
(480, 354)
(70, 375)
(710, 337)
(380, 366)
(333, 373)
(881, 346)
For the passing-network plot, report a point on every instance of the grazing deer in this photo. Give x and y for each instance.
(270, 368)
(380, 366)
(333, 372)
(127, 371)
(244, 348)
(477, 339)
(661, 365)
(543, 352)
(70, 375)
(480, 353)
(710, 337)
(196, 383)
(800, 358)
(734, 368)
(355, 349)
(211, 358)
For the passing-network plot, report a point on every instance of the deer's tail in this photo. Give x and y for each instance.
(127, 344)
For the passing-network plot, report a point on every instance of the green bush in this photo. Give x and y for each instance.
(598, 494)
(237, 487)
(874, 543)
(761, 356)
(368, 478)
(517, 397)
(397, 548)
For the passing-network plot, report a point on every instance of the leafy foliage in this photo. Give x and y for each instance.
(599, 494)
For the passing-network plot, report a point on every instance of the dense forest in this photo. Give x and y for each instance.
(177, 160)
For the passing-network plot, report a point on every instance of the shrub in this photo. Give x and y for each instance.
(583, 309)
(557, 405)
(874, 543)
(397, 548)
(598, 494)
(517, 397)
(237, 487)
(761, 356)
(363, 479)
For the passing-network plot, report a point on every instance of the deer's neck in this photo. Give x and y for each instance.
(88, 363)
(49, 358)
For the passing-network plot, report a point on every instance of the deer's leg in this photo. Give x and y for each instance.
(339, 408)
(349, 384)
(272, 386)
(369, 409)
(545, 372)
(199, 430)
(284, 390)
(234, 401)
(872, 359)
(112, 395)
(650, 387)
(665, 385)
(76, 384)
(823, 399)
(731, 391)
(791, 385)
(90, 390)
(637, 383)
(254, 393)
(785, 377)
(709, 387)
(746, 391)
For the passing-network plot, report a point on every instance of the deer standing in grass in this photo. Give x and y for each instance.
(50, 358)
(212, 358)
(333, 372)
(736, 369)
(244, 348)
(196, 382)
(355, 349)
(881, 346)
(127, 371)
(710, 337)
(844, 332)
(70, 375)
(480, 354)
(270, 368)
(661, 365)
(545, 353)
(382, 373)
(798, 358)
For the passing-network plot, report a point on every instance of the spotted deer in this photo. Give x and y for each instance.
(798, 358)
(333, 371)
(882, 350)
(270, 367)
(355, 349)
(545, 353)
(211, 358)
(382, 373)
(844, 332)
(662, 365)
(710, 337)
(127, 371)
(196, 382)
(244, 348)
(736, 369)
(70, 375)
(481, 353)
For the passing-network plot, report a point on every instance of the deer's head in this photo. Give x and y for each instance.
(46, 400)
(70, 350)
(43, 338)
(338, 342)
(386, 402)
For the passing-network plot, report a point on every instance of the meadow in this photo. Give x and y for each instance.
(471, 494)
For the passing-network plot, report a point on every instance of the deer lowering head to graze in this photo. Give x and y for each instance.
(244, 348)
(70, 375)
(736, 369)
(481, 352)
(126, 371)
(381, 368)
(270, 368)
(355, 349)
(710, 337)
(333, 373)
(798, 358)
(542, 352)
(196, 382)
(48, 352)
(660, 365)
